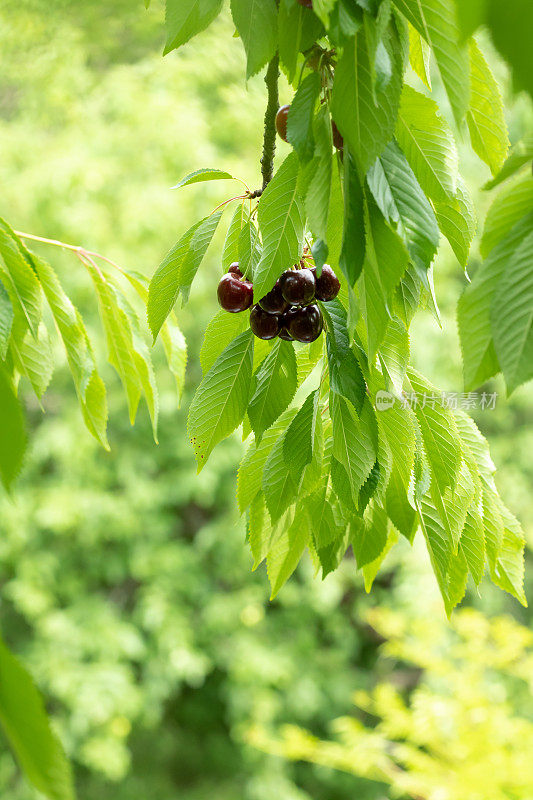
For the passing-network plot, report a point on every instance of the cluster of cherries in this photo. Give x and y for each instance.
(288, 310)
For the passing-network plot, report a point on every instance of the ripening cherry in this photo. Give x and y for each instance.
(281, 122)
(234, 295)
(235, 269)
(263, 324)
(327, 284)
(338, 141)
(306, 325)
(273, 301)
(298, 286)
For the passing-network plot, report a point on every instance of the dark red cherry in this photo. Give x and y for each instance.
(235, 269)
(306, 325)
(274, 302)
(298, 286)
(306, 3)
(233, 294)
(263, 324)
(338, 141)
(281, 122)
(284, 322)
(285, 335)
(327, 285)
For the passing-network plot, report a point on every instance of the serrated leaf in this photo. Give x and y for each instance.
(32, 356)
(230, 251)
(399, 510)
(509, 206)
(176, 272)
(394, 354)
(407, 296)
(298, 29)
(6, 320)
(428, 144)
(287, 551)
(281, 224)
(260, 529)
(307, 357)
(420, 56)
(366, 116)
(301, 115)
(275, 385)
(220, 402)
(453, 503)
(257, 25)
(317, 199)
(26, 726)
(512, 317)
(436, 22)
(403, 204)
(185, 18)
(220, 331)
(477, 445)
(298, 441)
(345, 376)
(457, 220)
(439, 431)
(13, 433)
(368, 536)
(19, 279)
(250, 473)
(473, 543)
(278, 485)
(352, 254)
(371, 570)
(508, 573)
(485, 117)
(202, 175)
(510, 24)
(354, 441)
(493, 527)
(250, 249)
(175, 348)
(438, 543)
(520, 156)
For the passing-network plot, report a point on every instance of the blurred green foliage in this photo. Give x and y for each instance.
(126, 582)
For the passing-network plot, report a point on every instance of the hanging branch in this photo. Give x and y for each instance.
(269, 137)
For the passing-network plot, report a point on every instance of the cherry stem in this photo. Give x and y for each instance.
(81, 252)
(269, 136)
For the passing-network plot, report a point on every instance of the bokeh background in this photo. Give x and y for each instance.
(126, 585)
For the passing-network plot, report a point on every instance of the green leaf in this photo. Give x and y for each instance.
(260, 530)
(23, 718)
(185, 18)
(275, 385)
(317, 199)
(281, 224)
(175, 348)
(201, 175)
(510, 25)
(298, 29)
(13, 433)
(301, 114)
(508, 573)
(89, 386)
(220, 402)
(404, 204)
(453, 503)
(420, 56)
(366, 117)
(470, 15)
(222, 329)
(257, 25)
(6, 320)
(493, 527)
(33, 357)
(521, 155)
(298, 441)
(512, 317)
(354, 441)
(457, 221)
(428, 144)
(473, 543)
(230, 251)
(345, 376)
(439, 431)
(435, 21)
(510, 205)
(474, 309)
(371, 570)
(394, 354)
(368, 536)
(250, 249)
(485, 117)
(287, 551)
(177, 270)
(279, 486)
(352, 254)
(250, 473)
(19, 279)
(407, 296)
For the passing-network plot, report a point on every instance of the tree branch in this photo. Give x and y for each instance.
(269, 136)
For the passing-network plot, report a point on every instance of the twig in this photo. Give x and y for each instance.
(269, 136)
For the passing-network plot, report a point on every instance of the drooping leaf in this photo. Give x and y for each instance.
(279, 487)
(485, 118)
(298, 441)
(175, 348)
(394, 354)
(26, 726)
(510, 25)
(287, 551)
(260, 529)
(457, 220)
(13, 433)
(230, 251)
(250, 249)
(420, 56)
(281, 225)
(220, 402)
(220, 331)
(354, 441)
(19, 279)
(352, 254)
(510, 205)
(32, 356)
(201, 175)
(301, 114)
(368, 536)
(6, 320)
(317, 199)
(345, 376)
(275, 385)
(520, 156)
(185, 18)
(371, 570)
(257, 25)
(508, 573)
(298, 29)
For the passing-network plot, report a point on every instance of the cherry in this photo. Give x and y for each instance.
(306, 3)
(284, 322)
(233, 294)
(281, 122)
(298, 286)
(327, 285)
(306, 325)
(263, 324)
(273, 301)
(285, 335)
(338, 141)
(235, 269)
